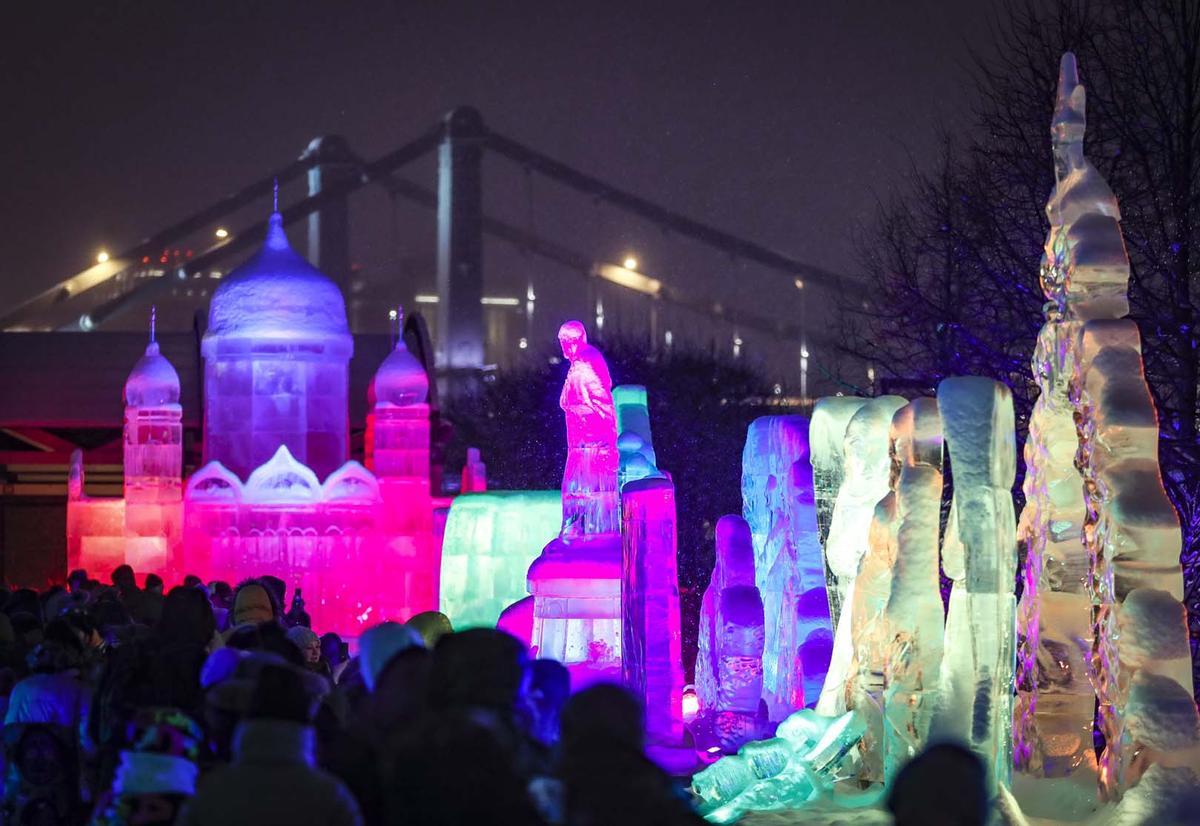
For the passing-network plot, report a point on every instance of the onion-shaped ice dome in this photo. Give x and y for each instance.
(401, 379)
(278, 295)
(153, 382)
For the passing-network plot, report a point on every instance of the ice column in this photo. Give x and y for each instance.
(652, 648)
(827, 433)
(729, 662)
(980, 556)
(153, 464)
(778, 503)
(634, 442)
(912, 617)
(867, 466)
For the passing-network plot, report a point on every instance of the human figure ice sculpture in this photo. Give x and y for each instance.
(576, 581)
(1124, 533)
(827, 435)
(778, 503)
(652, 645)
(868, 465)
(589, 487)
(912, 622)
(729, 662)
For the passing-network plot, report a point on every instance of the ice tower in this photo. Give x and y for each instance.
(276, 363)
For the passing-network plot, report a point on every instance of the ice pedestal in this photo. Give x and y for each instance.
(491, 538)
(576, 588)
(651, 645)
(779, 505)
(729, 662)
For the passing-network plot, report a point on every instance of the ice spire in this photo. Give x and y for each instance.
(153, 318)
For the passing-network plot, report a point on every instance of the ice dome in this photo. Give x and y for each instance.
(277, 294)
(153, 382)
(401, 379)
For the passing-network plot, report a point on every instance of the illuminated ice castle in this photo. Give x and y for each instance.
(277, 493)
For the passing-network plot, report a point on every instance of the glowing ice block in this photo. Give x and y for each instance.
(827, 436)
(651, 643)
(912, 617)
(634, 442)
(491, 538)
(980, 554)
(865, 482)
(778, 504)
(729, 660)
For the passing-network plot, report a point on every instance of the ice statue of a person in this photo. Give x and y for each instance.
(590, 498)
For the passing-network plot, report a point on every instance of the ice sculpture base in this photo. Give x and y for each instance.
(576, 588)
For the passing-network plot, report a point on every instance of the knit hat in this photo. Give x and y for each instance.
(253, 605)
(431, 625)
(302, 637)
(378, 645)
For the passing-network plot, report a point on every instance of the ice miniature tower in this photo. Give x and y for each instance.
(634, 443)
(729, 662)
(979, 554)
(276, 363)
(399, 449)
(778, 503)
(153, 448)
(651, 644)
(576, 582)
(865, 482)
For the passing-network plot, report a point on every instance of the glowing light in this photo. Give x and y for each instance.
(497, 301)
(425, 299)
(628, 278)
(222, 232)
(799, 283)
(630, 263)
(523, 343)
(871, 374)
(392, 315)
(101, 257)
(668, 338)
(690, 705)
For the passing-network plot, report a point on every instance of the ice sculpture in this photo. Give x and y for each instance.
(1099, 535)
(651, 643)
(276, 363)
(634, 443)
(778, 503)
(589, 490)
(491, 538)
(867, 463)
(797, 767)
(912, 620)
(980, 556)
(576, 581)
(729, 661)
(361, 546)
(827, 434)
(474, 474)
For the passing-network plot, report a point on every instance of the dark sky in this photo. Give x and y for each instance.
(778, 121)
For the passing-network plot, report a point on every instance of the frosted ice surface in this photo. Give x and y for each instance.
(634, 442)
(864, 483)
(283, 479)
(779, 505)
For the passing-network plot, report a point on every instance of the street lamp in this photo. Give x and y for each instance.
(101, 257)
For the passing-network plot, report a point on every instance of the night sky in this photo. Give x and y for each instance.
(779, 121)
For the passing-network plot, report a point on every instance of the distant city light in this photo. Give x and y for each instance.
(393, 315)
(425, 299)
(631, 263)
(101, 257)
(871, 374)
(490, 300)
(222, 232)
(799, 283)
(523, 343)
(668, 338)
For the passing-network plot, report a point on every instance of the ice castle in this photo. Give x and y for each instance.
(277, 493)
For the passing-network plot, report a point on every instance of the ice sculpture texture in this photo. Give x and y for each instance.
(729, 662)
(864, 482)
(979, 555)
(360, 544)
(490, 540)
(779, 505)
(1098, 525)
(651, 640)
(634, 443)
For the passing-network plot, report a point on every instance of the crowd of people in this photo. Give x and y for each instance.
(210, 705)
